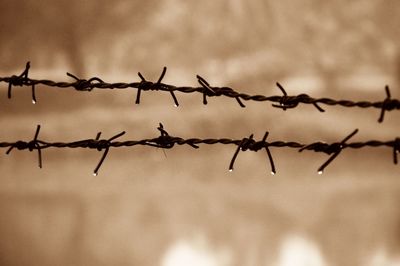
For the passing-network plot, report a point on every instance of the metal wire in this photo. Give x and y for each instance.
(166, 141)
(283, 102)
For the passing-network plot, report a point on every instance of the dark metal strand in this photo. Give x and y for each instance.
(284, 102)
(166, 141)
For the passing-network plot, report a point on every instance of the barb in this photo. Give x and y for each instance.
(396, 149)
(287, 102)
(388, 104)
(147, 85)
(214, 91)
(206, 87)
(166, 141)
(334, 149)
(83, 84)
(284, 102)
(251, 144)
(34, 144)
(101, 144)
(163, 141)
(21, 80)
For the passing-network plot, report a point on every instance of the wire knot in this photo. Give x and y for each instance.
(215, 91)
(250, 144)
(164, 141)
(102, 144)
(388, 104)
(247, 144)
(148, 85)
(289, 102)
(34, 144)
(21, 80)
(334, 149)
(85, 84)
(324, 147)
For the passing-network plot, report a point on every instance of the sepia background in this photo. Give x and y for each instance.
(182, 206)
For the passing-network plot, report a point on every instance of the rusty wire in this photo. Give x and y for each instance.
(283, 102)
(167, 141)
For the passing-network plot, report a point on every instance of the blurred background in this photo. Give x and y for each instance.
(182, 206)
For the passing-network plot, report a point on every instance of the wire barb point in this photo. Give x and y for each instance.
(396, 150)
(239, 147)
(388, 104)
(250, 144)
(271, 160)
(34, 144)
(335, 150)
(207, 89)
(283, 100)
(20, 80)
(101, 144)
(148, 85)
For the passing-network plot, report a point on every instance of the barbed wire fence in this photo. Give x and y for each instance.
(167, 141)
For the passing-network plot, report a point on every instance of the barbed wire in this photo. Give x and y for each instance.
(283, 102)
(167, 141)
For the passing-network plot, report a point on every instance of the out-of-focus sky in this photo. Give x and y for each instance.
(336, 39)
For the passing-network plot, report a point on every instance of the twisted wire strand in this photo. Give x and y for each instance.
(166, 141)
(283, 102)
